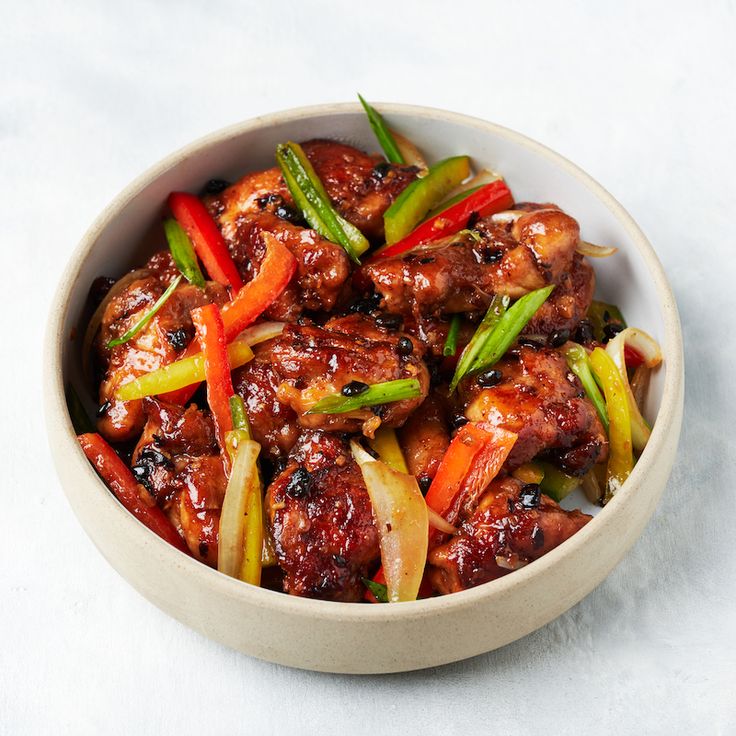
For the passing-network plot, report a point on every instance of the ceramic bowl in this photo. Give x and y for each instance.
(355, 638)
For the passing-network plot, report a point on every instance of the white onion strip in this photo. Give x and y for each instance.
(595, 251)
(411, 154)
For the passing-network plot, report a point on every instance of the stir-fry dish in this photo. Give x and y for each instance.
(358, 377)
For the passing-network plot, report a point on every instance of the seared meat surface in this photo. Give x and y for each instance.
(312, 362)
(513, 525)
(178, 461)
(321, 520)
(541, 400)
(463, 273)
(162, 341)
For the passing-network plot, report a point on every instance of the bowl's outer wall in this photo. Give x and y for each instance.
(344, 637)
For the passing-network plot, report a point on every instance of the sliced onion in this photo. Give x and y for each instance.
(507, 216)
(243, 481)
(651, 354)
(96, 319)
(402, 521)
(595, 251)
(261, 332)
(640, 383)
(592, 488)
(440, 523)
(411, 154)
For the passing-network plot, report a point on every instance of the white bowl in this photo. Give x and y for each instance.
(342, 637)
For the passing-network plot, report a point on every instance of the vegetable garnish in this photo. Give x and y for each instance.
(378, 393)
(379, 590)
(421, 195)
(606, 319)
(495, 311)
(273, 276)
(410, 153)
(122, 483)
(450, 347)
(556, 483)
(595, 251)
(387, 446)
(650, 354)
(578, 363)
(497, 331)
(206, 238)
(529, 473)
(401, 519)
(182, 251)
(310, 196)
(466, 189)
(147, 317)
(621, 458)
(493, 197)
(382, 133)
(211, 336)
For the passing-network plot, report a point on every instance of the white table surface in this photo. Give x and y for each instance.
(640, 95)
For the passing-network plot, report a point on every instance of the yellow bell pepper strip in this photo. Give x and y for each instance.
(371, 395)
(450, 347)
(578, 363)
(147, 317)
(387, 446)
(310, 196)
(241, 487)
(402, 523)
(530, 472)
(497, 332)
(496, 310)
(649, 353)
(621, 457)
(180, 374)
(411, 206)
(120, 480)
(382, 133)
(555, 483)
(182, 251)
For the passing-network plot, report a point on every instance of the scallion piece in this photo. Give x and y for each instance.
(182, 251)
(379, 590)
(496, 310)
(579, 364)
(311, 198)
(378, 393)
(451, 341)
(383, 134)
(238, 414)
(143, 321)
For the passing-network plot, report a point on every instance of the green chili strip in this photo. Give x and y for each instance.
(496, 310)
(555, 483)
(143, 321)
(378, 589)
(77, 413)
(383, 134)
(378, 393)
(238, 414)
(579, 364)
(182, 252)
(311, 197)
(451, 341)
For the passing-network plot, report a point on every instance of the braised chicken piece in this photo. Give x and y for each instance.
(321, 520)
(178, 462)
(312, 362)
(462, 273)
(539, 398)
(425, 437)
(160, 342)
(512, 525)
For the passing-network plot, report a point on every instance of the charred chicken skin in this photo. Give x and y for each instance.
(347, 328)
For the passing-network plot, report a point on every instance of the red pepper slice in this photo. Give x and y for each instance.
(124, 486)
(208, 242)
(276, 270)
(211, 337)
(493, 197)
(631, 357)
(258, 294)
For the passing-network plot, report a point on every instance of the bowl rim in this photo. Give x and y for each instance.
(60, 430)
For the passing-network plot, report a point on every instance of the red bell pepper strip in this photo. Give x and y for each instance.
(211, 337)
(493, 197)
(208, 242)
(276, 270)
(632, 357)
(124, 486)
(259, 293)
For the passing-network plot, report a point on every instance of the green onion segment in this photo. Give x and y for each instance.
(378, 393)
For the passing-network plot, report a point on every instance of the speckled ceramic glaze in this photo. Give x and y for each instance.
(355, 638)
